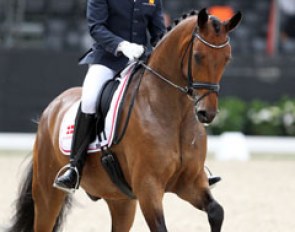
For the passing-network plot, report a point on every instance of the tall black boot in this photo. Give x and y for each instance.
(83, 134)
(211, 178)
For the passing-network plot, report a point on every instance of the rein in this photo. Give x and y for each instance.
(191, 85)
(161, 77)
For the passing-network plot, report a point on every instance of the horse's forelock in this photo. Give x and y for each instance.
(216, 24)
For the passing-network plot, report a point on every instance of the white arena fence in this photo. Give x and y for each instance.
(228, 146)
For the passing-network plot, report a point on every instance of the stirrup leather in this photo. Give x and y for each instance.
(62, 170)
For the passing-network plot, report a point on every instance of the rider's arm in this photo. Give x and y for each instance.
(97, 16)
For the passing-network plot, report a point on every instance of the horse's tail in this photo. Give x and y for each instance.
(23, 219)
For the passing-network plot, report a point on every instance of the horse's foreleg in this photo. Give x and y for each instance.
(215, 213)
(200, 197)
(122, 212)
(150, 199)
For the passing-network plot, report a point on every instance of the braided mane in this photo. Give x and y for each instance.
(176, 22)
(184, 16)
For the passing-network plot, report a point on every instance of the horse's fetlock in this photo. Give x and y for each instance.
(215, 214)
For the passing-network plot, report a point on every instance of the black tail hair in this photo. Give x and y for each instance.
(23, 219)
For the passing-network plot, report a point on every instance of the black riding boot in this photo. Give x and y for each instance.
(84, 133)
(213, 180)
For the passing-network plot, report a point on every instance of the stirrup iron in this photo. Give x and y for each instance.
(62, 170)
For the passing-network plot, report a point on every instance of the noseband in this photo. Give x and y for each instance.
(191, 85)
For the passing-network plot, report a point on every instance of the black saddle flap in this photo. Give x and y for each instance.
(104, 102)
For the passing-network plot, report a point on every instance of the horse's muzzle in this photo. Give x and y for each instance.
(205, 116)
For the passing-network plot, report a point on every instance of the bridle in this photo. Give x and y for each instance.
(191, 85)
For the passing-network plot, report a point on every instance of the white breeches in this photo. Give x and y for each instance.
(95, 78)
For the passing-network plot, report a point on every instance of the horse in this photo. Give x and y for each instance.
(164, 146)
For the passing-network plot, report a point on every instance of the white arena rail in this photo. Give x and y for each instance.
(16, 141)
(228, 146)
(236, 146)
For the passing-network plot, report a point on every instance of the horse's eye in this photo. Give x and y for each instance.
(198, 58)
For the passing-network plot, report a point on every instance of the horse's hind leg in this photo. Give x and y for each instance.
(48, 207)
(199, 196)
(122, 212)
(48, 201)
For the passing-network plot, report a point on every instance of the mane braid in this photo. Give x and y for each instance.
(178, 20)
(183, 17)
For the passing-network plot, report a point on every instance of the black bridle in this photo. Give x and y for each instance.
(192, 85)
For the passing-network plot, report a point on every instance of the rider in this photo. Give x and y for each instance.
(119, 30)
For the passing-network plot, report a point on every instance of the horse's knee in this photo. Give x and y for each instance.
(215, 215)
(150, 201)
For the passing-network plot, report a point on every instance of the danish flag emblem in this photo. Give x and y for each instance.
(70, 129)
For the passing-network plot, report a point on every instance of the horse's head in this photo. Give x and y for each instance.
(208, 53)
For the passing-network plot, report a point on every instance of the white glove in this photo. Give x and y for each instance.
(131, 50)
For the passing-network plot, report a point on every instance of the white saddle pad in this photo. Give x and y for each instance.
(68, 122)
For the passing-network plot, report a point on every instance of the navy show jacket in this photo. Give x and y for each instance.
(112, 21)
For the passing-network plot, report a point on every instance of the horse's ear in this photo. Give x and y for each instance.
(202, 18)
(233, 22)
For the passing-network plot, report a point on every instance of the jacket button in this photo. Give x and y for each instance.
(135, 21)
(134, 33)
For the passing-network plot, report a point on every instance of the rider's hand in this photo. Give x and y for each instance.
(131, 50)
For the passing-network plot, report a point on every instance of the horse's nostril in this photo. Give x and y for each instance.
(202, 115)
(205, 116)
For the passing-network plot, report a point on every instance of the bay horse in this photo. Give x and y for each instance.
(164, 147)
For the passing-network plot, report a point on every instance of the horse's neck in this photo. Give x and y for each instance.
(169, 53)
(163, 99)
(167, 56)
